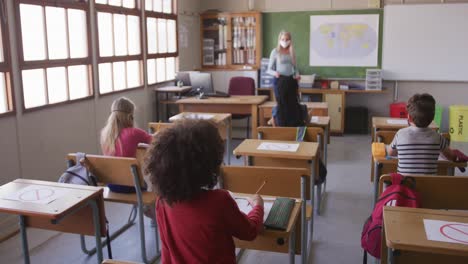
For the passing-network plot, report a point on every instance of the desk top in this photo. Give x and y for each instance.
(306, 150)
(233, 99)
(404, 230)
(75, 196)
(319, 121)
(173, 89)
(381, 122)
(309, 104)
(217, 118)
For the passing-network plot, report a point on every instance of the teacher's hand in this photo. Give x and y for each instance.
(277, 75)
(297, 77)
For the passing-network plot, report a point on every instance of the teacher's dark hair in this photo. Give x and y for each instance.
(185, 159)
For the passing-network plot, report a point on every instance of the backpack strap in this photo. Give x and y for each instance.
(396, 178)
(300, 133)
(79, 156)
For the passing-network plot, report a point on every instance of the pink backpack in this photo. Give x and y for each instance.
(397, 194)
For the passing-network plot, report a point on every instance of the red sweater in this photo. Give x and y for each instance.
(201, 230)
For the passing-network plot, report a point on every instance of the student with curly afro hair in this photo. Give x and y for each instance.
(197, 224)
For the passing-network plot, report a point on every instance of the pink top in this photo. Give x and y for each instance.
(127, 143)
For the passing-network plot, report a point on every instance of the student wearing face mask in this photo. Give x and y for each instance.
(282, 66)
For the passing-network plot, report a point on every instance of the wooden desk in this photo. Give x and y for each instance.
(233, 105)
(223, 121)
(316, 109)
(381, 123)
(304, 157)
(276, 240)
(405, 232)
(80, 211)
(167, 90)
(382, 165)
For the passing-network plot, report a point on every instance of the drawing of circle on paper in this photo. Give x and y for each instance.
(278, 146)
(36, 195)
(455, 232)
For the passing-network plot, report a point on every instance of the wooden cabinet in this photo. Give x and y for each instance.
(336, 104)
(231, 40)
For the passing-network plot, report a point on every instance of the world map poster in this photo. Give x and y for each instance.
(344, 40)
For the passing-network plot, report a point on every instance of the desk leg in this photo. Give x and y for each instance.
(228, 139)
(312, 196)
(24, 239)
(254, 120)
(304, 221)
(261, 114)
(292, 245)
(325, 145)
(376, 181)
(97, 229)
(389, 256)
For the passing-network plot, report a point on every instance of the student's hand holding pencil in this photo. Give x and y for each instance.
(255, 200)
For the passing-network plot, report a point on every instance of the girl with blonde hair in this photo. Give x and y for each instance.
(282, 66)
(119, 137)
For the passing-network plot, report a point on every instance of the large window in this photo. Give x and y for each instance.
(6, 100)
(120, 57)
(54, 59)
(161, 35)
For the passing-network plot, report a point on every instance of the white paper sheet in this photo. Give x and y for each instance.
(278, 146)
(36, 194)
(199, 116)
(245, 207)
(397, 121)
(314, 119)
(444, 231)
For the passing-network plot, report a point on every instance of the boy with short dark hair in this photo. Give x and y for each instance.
(418, 146)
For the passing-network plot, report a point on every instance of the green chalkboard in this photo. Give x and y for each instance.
(298, 23)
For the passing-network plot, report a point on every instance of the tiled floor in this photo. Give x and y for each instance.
(336, 235)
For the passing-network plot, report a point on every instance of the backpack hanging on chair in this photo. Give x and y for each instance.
(80, 175)
(400, 193)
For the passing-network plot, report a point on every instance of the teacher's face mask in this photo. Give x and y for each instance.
(285, 43)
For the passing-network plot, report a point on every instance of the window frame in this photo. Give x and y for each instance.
(173, 16)
(50, 63)
(5, 66)
(120, 10)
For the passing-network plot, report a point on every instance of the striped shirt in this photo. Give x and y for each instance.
(418, 150)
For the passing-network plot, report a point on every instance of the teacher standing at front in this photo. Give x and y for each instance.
(282, 66)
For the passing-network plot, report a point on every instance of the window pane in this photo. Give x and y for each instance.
(105, 35)
(105, 78)
(170, 68)
(133, 73)
(162, 36)
(171, 36)
(167, 6)
(101, 2)
(56, 84)
(157, 5)
(128, 3)
(152, 39)
(78, 83)
(115, 2)
(149, 5)
(119, 75)
(34, 88)
(133, 35)
(56, 33)
(3, 95)
(32, 31)
(161, 71)
(151, 68)
(1, 46)
(120, 35)
(77, 33)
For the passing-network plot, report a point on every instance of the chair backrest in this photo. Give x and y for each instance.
(158, 126)
(244, 179)
(385, 136)
(241, 86)
(437, 192)
(115, 170)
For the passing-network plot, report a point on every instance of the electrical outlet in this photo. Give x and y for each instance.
(373, 3)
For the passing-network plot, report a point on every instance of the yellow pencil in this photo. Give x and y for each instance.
(259, 189)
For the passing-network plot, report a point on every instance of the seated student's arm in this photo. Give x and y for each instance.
(445, 150)
(392, 148)
(143, 136)
(241, 226)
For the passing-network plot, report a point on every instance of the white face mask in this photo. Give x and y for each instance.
(285, 43)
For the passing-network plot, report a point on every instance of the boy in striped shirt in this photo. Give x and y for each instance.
(417, 146)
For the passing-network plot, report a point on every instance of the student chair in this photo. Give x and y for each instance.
(122, 171)
(313, 134)
(382, 136)
(242, 179)
(242, 86)
(437, 192)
